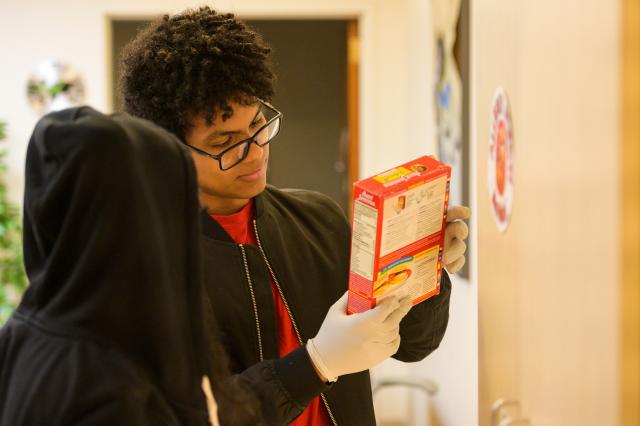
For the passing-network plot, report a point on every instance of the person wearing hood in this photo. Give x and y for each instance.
(110, 329)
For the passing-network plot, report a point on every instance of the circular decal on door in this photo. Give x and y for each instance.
(500, 164)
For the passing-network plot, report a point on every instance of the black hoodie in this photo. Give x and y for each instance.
(110, 329)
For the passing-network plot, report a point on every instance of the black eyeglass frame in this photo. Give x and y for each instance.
(247, 141)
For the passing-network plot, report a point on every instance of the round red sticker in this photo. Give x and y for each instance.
(500, 164)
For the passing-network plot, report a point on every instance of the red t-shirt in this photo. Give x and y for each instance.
(240, 227)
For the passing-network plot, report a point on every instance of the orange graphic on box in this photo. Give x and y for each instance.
(390, 280)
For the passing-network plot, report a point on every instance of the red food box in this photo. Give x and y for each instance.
(399, 217)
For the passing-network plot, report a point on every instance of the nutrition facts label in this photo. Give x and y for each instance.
(413, 215)
(363, 245)
(426, 278)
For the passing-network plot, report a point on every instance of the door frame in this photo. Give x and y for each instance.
(629, 230)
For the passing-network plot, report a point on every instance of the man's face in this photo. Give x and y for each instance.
(225, 192)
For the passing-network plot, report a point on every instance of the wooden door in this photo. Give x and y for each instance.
(548, 285)
(311, 63)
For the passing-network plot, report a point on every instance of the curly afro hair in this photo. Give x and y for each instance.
(194, 63)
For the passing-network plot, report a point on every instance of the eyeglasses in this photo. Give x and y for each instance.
(237, 152)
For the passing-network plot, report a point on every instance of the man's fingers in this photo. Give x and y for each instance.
(457, 229)
(395, 345)
(382, 310)
(456, 266)
(454, 250)
(341, 304)
(386, 336)
(396, 316)
(458, 212)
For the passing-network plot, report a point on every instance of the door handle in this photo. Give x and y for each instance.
(506, 412)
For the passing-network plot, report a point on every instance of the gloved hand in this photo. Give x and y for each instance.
(455, 233)
(212, 405)
(348, 344)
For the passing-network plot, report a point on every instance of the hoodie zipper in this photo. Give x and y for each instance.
(253, 300)
(286, 305)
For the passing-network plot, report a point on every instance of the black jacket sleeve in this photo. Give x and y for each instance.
(422, 330)
(283, 386)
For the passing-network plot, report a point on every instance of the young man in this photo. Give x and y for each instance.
(275, 261)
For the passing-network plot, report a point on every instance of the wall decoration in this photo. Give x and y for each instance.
(451, 59)
(500, 162)
(448, 93)
(54, 86)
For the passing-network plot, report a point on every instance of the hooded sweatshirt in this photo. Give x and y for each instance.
(110, 329)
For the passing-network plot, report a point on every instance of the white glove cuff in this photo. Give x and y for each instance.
(318, 363)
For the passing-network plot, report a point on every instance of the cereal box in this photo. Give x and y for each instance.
(399, 217)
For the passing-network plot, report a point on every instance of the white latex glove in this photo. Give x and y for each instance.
(348, 344)
(455, 233)
(212, 406)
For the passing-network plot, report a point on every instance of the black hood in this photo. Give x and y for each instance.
(111, 243)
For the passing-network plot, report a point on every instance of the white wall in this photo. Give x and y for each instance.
(396, 125)
(454, 365)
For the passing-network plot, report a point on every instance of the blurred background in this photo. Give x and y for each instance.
(536, 105)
